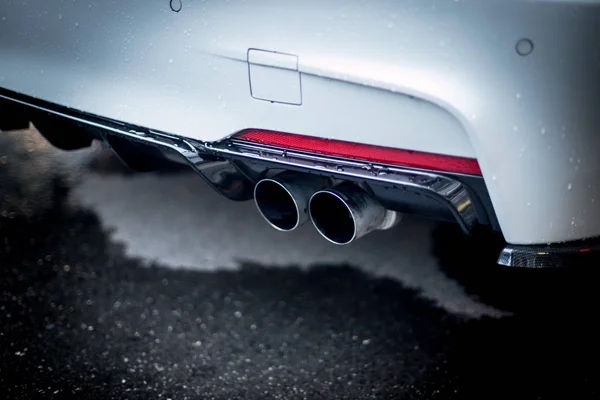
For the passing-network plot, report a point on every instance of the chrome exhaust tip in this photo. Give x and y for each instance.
(282, 200)
(346, 212)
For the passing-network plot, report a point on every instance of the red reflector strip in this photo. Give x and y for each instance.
(385, 155)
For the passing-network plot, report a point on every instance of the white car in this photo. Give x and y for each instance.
(344, 112)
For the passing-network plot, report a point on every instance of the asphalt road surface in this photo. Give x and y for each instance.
(115, 285)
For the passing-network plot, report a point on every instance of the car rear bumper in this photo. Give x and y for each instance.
(233, 166)
(496, 81)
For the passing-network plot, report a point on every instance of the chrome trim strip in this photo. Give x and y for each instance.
(449, 191)
(226, 178)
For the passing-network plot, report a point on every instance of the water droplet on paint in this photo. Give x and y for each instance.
(176, 5)
(524, 47)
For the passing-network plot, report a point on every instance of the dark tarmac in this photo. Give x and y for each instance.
(116, 285)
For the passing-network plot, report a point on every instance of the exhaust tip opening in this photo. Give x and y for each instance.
(276, 204)
(332, 217)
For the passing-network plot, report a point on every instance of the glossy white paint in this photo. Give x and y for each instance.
(431, 75)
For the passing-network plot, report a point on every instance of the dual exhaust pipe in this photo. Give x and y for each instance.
(341, 213)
